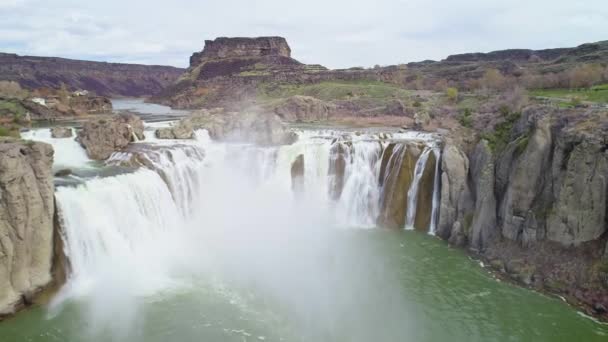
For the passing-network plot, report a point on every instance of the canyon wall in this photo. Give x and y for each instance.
(536, 208)
(107, 79)
(26, 222)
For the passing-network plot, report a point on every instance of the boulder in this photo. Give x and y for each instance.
(102, 137)
(424, 203)
(61, 132)
(26, 221)
(304, 109)
(247, 126)
(181, 130)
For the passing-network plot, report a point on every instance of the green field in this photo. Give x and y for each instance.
(335, 90)
(597, 94)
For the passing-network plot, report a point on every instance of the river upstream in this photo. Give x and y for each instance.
(215, 242)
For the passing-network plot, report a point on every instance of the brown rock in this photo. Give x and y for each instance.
(101, 138)
(61, 132)
(26, 221)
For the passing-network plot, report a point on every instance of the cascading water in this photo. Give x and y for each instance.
(412, 193)
(199, 208)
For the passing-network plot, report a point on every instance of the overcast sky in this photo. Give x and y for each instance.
(335, 33)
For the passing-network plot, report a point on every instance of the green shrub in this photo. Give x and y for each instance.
(452, 94)
(466, 118)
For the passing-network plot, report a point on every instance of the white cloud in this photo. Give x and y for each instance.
(336, 33)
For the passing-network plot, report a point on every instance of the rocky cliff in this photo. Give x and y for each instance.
(102, 78)
(26, 222)
(228, 72)
(537, 207)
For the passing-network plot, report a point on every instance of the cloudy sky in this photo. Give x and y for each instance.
(335, 33)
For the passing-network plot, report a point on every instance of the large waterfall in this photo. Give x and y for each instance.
(238, 212)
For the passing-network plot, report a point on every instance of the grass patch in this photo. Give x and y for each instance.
(597, 94)
(9, 107)
(334, 90)
(499, 137)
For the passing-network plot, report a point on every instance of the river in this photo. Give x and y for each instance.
(213, 245)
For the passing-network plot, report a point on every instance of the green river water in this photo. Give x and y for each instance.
(386, 286)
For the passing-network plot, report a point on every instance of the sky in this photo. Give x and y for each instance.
(334, 33)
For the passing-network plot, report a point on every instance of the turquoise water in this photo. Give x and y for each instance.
(372, 285)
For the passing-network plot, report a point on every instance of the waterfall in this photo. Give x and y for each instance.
(195, 204)
(412, 193)
(436, 192)
(68, 153)
(359, 202)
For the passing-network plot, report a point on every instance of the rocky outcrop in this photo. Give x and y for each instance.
(304, 109)
(580, 191)
(100, 138)
(61, 132)
(26, 222)
(90, 104)
(241, 47)
(455, 194)
(536, 207)
(105, 79)
(249, 126)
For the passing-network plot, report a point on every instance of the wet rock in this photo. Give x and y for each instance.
(181, 130)
(297, 174)
(399, 173)
(63, 173)
(337, 167)
(26, 221)
(100, 138)
(457, 237)
(61, 132)
(424, 204)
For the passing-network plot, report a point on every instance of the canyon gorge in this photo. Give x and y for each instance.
(253, 210)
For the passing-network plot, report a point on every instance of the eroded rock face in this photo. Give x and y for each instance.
(248, 126)
(304, 109)
(579, 213)
(398, 164)
(483, 227)
(455, 194)
(525, 184)
(424, 204)
(61, 132)
(101, 138)
(91, 104)
(26, 221)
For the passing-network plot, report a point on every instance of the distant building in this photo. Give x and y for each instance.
(39, 100)
(81, 93)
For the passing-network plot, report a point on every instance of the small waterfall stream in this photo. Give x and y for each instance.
(412, 193)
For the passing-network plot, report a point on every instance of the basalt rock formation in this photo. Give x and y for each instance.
(536, 208)
(101, 137)
(26, 222)
(229, 71)
(102, 78)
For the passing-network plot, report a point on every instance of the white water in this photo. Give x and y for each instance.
(218, 209)
(68, 153)
(412, 193)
